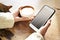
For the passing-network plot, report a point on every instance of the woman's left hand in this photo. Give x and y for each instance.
(17, 18)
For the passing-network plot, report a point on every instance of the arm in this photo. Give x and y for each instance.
(35, 36)
(6, 20)
(41, 32)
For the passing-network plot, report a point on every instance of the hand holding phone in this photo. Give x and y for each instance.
(42, 17)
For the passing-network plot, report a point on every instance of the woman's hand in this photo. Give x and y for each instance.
(17, 18)
(43, 29)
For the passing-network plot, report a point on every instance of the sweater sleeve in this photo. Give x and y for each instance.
(35, 36)
(6, 20)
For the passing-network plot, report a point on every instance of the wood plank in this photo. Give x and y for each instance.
(53, 33)
(21, 31)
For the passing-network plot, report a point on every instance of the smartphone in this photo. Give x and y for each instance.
(42, 17)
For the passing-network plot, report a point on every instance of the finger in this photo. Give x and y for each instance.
(31, 18)
(16, 13)
(28, 18)
(43, 28)
(22, 19)
(48, 23)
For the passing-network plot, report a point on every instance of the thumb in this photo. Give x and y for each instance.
(43, 29)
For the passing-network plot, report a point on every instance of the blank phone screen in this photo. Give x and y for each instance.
(43, 15)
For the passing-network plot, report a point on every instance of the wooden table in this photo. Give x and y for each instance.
(53, 32)
(21, 30)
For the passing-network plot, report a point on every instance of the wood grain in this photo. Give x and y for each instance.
(53, 33)
(21, 30)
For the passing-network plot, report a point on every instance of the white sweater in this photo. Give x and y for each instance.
(35, 36)
(6, 20)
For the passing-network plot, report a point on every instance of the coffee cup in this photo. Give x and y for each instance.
(26, 11)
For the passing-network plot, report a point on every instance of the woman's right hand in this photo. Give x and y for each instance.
(43, 29)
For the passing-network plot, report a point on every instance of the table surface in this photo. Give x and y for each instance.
(53, 32)
(21, 30)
